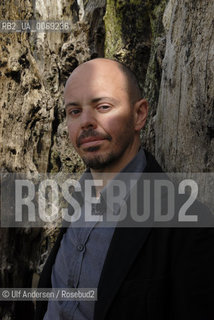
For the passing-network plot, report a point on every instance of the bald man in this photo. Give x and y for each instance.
(140, 273)
(98, 100)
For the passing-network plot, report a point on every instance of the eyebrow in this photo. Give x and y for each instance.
(95, 100)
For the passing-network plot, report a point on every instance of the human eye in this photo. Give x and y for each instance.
(73, 112)
(104, 107)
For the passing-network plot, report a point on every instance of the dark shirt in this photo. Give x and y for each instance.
(81, 257)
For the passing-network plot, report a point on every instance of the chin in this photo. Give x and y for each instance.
(92, 149)
(99, 160)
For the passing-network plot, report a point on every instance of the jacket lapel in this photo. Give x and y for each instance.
(124, 248)
(125, 245)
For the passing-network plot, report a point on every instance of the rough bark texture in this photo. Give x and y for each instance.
(33, 137)
(169, 44)
(135, 36)
(185, 116)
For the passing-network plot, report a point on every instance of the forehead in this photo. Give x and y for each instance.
(93, 78)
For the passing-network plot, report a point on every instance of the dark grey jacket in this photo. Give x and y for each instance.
(152, 273)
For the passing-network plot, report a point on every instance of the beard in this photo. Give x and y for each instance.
(108, 158)
(100, 161)
(118, 146)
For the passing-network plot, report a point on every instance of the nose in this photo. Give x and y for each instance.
(88, 120)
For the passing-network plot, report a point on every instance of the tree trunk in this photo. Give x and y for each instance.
(169, 44)
(185, 115)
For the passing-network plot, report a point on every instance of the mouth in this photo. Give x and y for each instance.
(91, 142)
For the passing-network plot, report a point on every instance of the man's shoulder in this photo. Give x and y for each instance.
(152, 164)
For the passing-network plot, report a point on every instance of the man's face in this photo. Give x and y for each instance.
(100, 118)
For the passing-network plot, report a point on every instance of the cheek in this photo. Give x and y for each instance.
(116, 126)
(71, 133)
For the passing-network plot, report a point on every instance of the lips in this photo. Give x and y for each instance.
(91, 141)
(91, 138)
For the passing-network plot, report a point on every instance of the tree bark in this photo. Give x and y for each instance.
(185, 116)
(169, 44)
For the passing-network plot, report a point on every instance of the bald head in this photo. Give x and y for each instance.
(105, 113)
(130, 81)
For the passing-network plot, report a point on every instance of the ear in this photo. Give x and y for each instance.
(141, 111)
